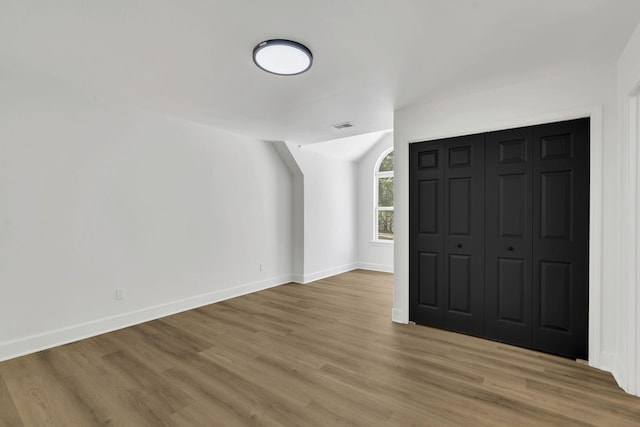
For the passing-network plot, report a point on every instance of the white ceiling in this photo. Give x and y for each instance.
(192, 58)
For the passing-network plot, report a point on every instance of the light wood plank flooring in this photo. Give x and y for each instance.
(324, 354)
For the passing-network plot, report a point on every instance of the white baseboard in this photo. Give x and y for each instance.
(625, 381)
(297, 278)
(318, 275)
(376, 267)
(32, 344)
(606, 362)
(617, 373)
(398, 316)
(609, 363)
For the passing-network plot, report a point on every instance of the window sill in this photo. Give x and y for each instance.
(381, 243)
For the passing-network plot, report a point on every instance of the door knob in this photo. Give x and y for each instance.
(459, 245)
(510, 248)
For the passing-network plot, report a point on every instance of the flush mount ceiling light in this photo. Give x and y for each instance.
(282, 57)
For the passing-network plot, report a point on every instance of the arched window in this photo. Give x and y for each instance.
(383, 197)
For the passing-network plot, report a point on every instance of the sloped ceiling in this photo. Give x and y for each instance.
(351, 148)
(192, 58)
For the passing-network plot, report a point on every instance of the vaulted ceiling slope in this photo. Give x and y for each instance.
(192, 58)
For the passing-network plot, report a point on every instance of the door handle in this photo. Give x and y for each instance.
(510, 248)
(459, 246)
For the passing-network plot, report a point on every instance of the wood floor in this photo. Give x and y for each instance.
(324, 354)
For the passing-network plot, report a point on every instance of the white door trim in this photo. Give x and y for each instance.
(627, 367)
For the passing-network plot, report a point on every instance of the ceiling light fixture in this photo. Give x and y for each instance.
(282, 57)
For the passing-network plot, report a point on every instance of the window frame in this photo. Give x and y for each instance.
(376, 209)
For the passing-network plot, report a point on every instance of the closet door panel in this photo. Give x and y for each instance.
(561, 238)
(508, 240)
(464, 239)
(426, 227)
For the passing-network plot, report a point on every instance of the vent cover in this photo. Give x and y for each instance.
(342, 125)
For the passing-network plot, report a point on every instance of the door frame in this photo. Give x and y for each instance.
(627, 367)
(400, 312)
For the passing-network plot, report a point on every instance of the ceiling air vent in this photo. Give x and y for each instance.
(342, 125)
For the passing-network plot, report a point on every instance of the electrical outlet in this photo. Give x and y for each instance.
(261, 266)
(119, 294)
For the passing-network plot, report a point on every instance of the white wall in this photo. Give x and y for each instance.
(627, 360)
(298, 210)
(95, 197)
(537, 97)
(371, 255)
(330, 210)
